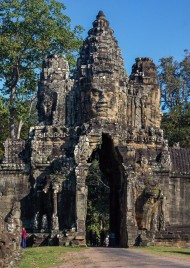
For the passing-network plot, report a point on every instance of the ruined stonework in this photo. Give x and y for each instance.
(54, 86)
(103, 111)
(14, 185)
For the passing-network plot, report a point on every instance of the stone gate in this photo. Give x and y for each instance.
(43, 180)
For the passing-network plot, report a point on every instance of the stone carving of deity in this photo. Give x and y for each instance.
(153, 216)
(98, 103)
(44, 226)
(36, 221)
(55, 223)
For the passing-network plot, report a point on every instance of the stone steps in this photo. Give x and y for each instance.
(48, 239)
(176, 234)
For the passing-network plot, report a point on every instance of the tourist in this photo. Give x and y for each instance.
(90, 237)
(107, 241)
(23, 237)
(94, 239)
(102, 238)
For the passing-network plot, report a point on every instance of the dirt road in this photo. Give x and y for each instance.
(98, 257)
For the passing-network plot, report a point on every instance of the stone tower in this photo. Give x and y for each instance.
(144, 96)
(54, 86)
(100, 77)
(101, 111)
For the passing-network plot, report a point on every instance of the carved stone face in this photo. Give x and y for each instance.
(98, 102)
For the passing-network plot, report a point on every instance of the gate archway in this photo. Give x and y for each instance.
(105, 183)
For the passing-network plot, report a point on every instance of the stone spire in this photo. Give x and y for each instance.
(100, 23)
(144, 71)
(100, 76)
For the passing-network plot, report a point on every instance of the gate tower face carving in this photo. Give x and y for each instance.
(100, 110)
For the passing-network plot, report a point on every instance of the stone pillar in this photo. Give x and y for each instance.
(55, 201)
(55, 222)
(129, 226)
(132, 229)
(81, 201)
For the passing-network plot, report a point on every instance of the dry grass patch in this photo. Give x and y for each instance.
(44, 257)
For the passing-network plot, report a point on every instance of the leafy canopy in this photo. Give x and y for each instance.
(30, 30)
(174, 77)
(4, 119)
(98, 199)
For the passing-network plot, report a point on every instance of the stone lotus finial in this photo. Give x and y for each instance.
(101, 21)
(100, 14)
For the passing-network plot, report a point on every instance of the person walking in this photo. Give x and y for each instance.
(24, 234)
(107, 241)
(94, 238)
(102, 238)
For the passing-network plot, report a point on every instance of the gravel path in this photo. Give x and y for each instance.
(120, 257)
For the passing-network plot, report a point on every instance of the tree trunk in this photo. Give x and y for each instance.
(14, 80)
(12, 113)
(21, 123)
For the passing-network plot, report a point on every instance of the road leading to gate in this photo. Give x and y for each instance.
(99, 257)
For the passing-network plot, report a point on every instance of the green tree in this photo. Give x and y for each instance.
(176, 126)
(30, 30)
(4, 129)
(98, 199)
(174, 78)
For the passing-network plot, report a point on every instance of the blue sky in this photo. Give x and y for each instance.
(143, 28)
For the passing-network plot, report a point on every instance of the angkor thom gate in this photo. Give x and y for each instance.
(43, 180)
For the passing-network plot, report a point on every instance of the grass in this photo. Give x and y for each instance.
(167, 251)
(44, 257)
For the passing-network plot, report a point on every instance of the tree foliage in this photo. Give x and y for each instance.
(98, 199)
(174, 78)
(4, 129)
(176, 126)
(30, 30)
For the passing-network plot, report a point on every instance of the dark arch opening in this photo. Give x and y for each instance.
(107, 188)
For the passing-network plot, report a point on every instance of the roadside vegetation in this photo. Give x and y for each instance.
(44, 257)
